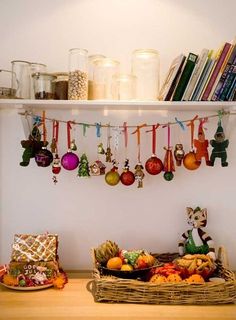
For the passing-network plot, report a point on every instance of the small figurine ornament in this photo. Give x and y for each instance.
(179, 154)
(97, 168)
(101, 149)
(83, 166)
(108, 154)
(195, 240)
(139, 175)
(31, 146)
(201, 145)
(219, 147)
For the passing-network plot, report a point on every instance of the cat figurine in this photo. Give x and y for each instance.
(196, 240)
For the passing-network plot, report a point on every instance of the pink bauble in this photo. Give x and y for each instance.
(70, 161)
(154, 165)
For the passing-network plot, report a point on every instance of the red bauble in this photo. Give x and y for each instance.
(190, 162)
(127, 178)
(154, 165)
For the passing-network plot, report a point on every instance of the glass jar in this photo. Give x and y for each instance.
(35, 67)
(43, 85)
(104, 71)
(78, 74)
(145, 66)
(21, 69)
(124, 87)
(8, 84)
(91, 60)
(61, 86)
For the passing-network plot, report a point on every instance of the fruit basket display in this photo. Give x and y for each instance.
(221, 288)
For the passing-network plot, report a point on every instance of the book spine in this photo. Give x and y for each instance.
(227, 83)
(231, 90)
(216, 71)
(175, 81)
(185, 76)
(196, 74)
(231, 60)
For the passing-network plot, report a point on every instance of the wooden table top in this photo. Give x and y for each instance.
(75, 301)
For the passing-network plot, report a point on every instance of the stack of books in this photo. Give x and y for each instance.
(209, 76)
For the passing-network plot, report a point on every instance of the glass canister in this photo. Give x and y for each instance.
(35, 67)
(146, 67)
(61, 86)
(124, 87)
(43, 85)
(104, 71)
(91, 60)
(21, 69)
(8, 84)
(78, 74)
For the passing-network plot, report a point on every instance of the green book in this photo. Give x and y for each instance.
(185, 76)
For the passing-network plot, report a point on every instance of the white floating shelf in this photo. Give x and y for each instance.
(116, 105)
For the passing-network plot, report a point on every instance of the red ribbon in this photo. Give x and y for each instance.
(138, 137)
(191, 125)
(154, 136)
(125, 130)
(69, 127)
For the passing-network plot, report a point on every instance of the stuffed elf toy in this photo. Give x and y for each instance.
(219, 147)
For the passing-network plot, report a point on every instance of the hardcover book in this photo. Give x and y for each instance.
(202, 60)
(185, 76)
(226, 67)
(229, 84)
(215, 71)
(172, 72)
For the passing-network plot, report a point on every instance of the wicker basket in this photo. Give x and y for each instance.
(112, 289)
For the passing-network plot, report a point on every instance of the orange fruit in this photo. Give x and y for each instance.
(126, 267)
(156, 278)
(114, 263)
(174, 278)
(149, 259)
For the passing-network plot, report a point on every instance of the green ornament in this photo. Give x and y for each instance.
(83, 166)
(168, 176)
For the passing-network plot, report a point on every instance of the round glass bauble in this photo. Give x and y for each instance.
(154, 165)
(70, 161)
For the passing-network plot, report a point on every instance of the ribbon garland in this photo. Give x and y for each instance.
(191, 125)
(138, 138)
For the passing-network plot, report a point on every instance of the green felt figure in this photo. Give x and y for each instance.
(31, 146)
(83, 166)
(219, 147)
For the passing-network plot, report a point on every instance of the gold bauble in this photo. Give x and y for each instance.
(112, 178)
(190, 162)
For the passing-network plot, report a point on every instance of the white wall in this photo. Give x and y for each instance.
(85, 212)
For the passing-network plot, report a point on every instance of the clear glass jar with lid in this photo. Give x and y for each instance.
(91, 60)
(61, 86)
(124, 87)
(21, 69)
(104, 71)
(43, 85)
(146, 67)
(78, 74)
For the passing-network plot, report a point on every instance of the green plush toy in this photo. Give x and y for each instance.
(31, 146)
(219, 147)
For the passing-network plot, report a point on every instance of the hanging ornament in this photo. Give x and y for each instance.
(44, 157)
(83, 166)
(112, 177)
(127, 177)
(169, 166)
(101, 149)
(70, 160)
(154, 165)
(139, 174)
(108, 152)
(190, 161)
(56, 164)
(179, 149)
(219, 144)
(31, 146)
(201, 144)
(97, 168)
(179, 154)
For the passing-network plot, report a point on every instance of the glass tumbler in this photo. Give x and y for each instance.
(104, 71)
(145, 66)
(8, 84)
(91, 60)
(21, 69)
(78, 74)
(43, 85)
(35, 67)
(124, 87)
